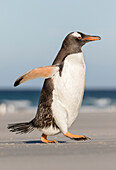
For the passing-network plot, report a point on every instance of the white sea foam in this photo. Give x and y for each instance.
(99, 102)
(2, 109)
(92, 109)
(14, 106)
(103, 102)
(91, 104)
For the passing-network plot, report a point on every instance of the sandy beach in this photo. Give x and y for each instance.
(28, 152)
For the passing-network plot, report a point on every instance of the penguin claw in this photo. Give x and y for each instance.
(81, 138)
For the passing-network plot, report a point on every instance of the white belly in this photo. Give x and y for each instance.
(69, 89)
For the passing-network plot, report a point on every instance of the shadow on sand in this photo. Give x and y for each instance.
(39, 141)
(27, 142)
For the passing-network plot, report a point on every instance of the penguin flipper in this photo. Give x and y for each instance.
(43, 72)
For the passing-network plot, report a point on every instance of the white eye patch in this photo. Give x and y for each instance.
(76, 34)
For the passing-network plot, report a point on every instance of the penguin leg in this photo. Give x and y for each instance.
(61, 120)
(45, 140)
(76, 137)
(60, 115)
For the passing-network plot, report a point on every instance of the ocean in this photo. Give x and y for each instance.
(12, 101)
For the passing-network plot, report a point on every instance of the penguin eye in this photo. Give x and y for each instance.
(79, 38)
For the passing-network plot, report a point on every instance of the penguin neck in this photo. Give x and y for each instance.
(64, 52)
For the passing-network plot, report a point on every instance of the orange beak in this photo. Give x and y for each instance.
(92, 38)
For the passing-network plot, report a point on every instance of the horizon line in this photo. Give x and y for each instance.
(39, 88)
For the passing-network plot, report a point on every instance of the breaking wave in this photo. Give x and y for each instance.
(89, 105)
(27, 100)
(92, 104)
(13, 106)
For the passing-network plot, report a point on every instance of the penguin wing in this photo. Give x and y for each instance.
(43, 72)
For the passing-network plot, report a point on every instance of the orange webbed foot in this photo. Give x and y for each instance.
(45, 140)
(76, 137)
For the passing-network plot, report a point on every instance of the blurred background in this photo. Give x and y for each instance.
(31, 34)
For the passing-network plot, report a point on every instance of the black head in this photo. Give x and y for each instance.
(72, 44)
(75, 40)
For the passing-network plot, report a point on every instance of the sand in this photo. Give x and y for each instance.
(22, 152)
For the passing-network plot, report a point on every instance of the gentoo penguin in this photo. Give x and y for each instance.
(62, 92)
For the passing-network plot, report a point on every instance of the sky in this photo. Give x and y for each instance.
(31, 34)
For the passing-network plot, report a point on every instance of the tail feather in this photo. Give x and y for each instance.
(21, 128)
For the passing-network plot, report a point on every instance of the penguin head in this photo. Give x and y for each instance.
(77, 40)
